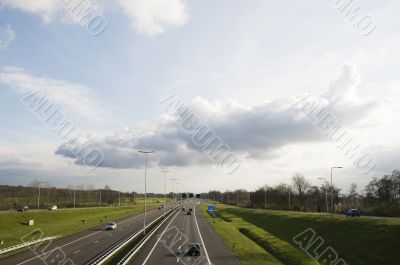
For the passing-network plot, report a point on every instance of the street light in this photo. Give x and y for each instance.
(332, 191)
(38, 199)
(145, 188)
(173, 189)
(165, 184)
(289, 188)
(326, 192)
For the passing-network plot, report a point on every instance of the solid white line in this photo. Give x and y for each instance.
(158, 240)
(69, 243)
(38, 256)
(201, 238)
(77, 251)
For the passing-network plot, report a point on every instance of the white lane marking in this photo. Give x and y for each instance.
(38, 256)
(77, 251)
(69, 243)
(158, 240)
(201, 238)
(97, 241)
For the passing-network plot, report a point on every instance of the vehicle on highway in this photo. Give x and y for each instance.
(353, 213)
(183, 209)
(189, 213)
(22, 208)
(194, 249)
(52, 208)
(190, 210)
(111, 226)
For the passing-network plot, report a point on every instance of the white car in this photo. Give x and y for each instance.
(52, 208)
(111, 226)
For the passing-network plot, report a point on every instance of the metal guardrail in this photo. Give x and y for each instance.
(26, 244)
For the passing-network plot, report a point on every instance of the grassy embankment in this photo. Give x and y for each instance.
(63, 222)
(358, 241)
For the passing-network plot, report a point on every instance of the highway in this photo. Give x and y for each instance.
(83, 246)
(170, 244)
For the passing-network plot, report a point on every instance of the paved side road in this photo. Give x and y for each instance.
(83, 246)
(170, 245)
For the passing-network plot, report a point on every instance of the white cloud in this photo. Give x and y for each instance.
(47, 9)
(71, 97)
(152, 16)
(149, 17)
(7, 35)
(256, 132)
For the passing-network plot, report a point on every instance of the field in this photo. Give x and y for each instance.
(358, 241)
(61, 222)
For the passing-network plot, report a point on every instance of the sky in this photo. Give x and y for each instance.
(240, 67)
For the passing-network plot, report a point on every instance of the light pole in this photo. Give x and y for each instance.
(332, 191)
(173, 189)
(265, 198)
(165, 184)
(177, 191)
(38, 200)
(326, 192)
(289, 188)
(145, 188)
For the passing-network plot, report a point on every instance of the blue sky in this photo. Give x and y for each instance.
(235, 63)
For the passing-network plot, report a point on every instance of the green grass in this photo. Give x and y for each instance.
(359, 241)
(247, 251)
(61, 222)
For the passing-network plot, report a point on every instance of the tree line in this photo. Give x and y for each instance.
(380, 197)
(12, 197)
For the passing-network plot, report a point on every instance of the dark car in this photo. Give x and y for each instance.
(190, 210)
(22, 208)
(194, 249)
(183, 209)
(353, 213)
(189, 213)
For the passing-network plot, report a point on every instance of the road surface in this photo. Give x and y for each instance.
(81, 247)
(169, 246)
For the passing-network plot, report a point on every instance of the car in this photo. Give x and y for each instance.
(22, 208)
(353, 213)
(111, 226)
(190, 210)
(189, 213)
(52, 208)
(183, 209)
(194, 249)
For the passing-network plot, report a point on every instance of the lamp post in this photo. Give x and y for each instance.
(265, 198)
(38, 200)
(326, 192)
(332, 191)
(173, 189)
(165, 184)
(289, 189)
(145, 188)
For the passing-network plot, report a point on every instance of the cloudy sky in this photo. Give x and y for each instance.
(239, 66)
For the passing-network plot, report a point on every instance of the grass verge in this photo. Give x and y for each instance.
(358, 241)
(247, 251)
(59, 223)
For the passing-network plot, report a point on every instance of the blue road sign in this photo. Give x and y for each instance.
(211, 208)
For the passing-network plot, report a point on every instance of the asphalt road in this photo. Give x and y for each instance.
(170, 245)
(81, 247)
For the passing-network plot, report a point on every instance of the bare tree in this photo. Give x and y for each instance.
(300, 184)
